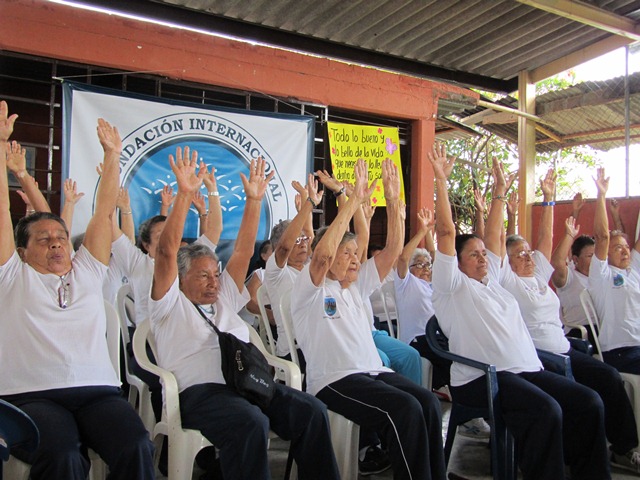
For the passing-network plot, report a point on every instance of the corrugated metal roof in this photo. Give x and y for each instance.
(589, 113)
(460, 41)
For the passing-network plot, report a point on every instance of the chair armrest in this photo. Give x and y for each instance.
(581, 345)
(292, 374)
(556, 363)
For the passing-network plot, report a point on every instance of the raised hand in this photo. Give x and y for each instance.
(123, 202)
(390, 180)
(71, 194)
(548, 185)
(577, 203)
(426, 220)
(329, 181)
(167, 196)
(6, 122)
(368, 210)
(602, 182)
(26, 201)
(256, 184)
(302, 191)
(199, 203)
(16, 158)
(312, 190)
(614, 206)
(479, 200)
(497, 171)
(362, 190)
(209, 178)
(109, 137)
(442, 165)
(510, 178)
(512, 203)
(184, 168)
(571, 228)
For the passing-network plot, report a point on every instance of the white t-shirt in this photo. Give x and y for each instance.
(482, 321)
(187, 346)
(539, 305)
(43, 346)
(278, 281)
(569, 295)
(138, 268)
(333, 327)
(616, 297)
(113, 281)
(414, 304)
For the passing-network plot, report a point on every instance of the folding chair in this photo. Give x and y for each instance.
(16, 430)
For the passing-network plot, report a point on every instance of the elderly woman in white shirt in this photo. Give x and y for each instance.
(551, 418)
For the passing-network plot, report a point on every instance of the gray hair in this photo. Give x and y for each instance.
(420, 252)
(347, 237)
(513, 240)
(190, 252)
(277, 231)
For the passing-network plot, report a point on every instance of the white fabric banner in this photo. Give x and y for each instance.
(152, 128)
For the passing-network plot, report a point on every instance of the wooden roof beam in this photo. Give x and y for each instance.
(589, 15)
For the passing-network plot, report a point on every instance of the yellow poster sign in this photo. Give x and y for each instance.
(348, 143)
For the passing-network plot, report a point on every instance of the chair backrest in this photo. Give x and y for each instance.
(592, 318)
(125, 307)
(16, 430)
(287, 325)
(388, 296)
(265, 327)
(113, 335)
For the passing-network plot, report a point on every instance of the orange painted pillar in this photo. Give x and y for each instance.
(422, 190)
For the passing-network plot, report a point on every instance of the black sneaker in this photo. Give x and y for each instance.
(375, 461)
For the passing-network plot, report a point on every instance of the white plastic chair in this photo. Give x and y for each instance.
(287, 325)
(185, 443)
(139, 393)
(265, 327)
(344, 433)
(631, 381)
(388, 296)
(16, 469)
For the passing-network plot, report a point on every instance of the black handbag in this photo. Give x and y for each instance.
(244, 367)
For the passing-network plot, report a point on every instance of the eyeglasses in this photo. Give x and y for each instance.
(421, 266)
(64, 293)
(523, 254)
(621, 247)
(302, 239)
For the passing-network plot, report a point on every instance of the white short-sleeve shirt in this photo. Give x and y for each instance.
(279, 281)
(414, 304)
(44, 346)
(539, 305)
(569, 296)
(186, 345)
(616, 297)
(333, 328)
(482, 321)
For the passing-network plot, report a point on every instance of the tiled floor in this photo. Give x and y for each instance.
(469, 459)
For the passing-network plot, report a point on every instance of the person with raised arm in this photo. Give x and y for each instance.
(290, 255)
(344, 370)
(52, 336)
(525, 274)
(17, 164)
(614, 286)
(551, 418)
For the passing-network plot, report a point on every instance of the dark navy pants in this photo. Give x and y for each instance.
(406, 415)
(70, 420)
(553, 420)
(241, 430)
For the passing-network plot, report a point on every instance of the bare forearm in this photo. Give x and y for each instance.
(407, 252)
(127, 225)
(7, 246)
(33, 193)
(495, 223)
(171, 237)
(213, 225)
(545, 235)
(511, 224)
(445, 228)
(478, 224)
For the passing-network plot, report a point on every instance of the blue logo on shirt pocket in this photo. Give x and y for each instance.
(618, 280)
(330, 306)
